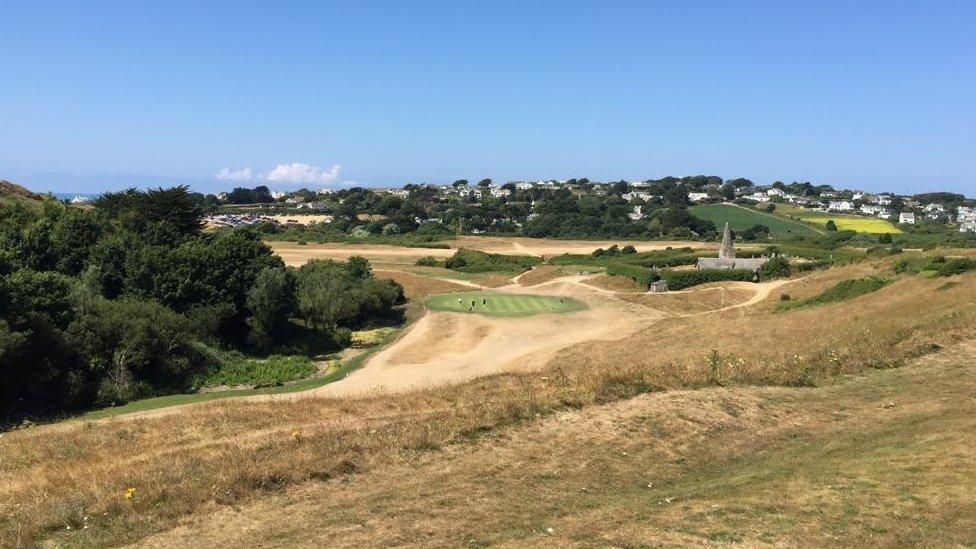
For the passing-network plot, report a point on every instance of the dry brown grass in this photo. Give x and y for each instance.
(871, 462)
(540, 274)
(614, 283)
(419, 287)
(697, 300)
(231, 452)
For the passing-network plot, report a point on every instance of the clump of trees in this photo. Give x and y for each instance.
(101, 306)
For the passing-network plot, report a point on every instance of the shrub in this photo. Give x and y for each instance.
(474, 261)
(427, 261)
(628, 249)
(777, 267)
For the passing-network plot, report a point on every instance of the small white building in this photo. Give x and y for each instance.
(637, 214)
(840, 206)
(757, 197)
(773, 191)
(906, 218)
(968, 227)
(697, 197)
(934, 207)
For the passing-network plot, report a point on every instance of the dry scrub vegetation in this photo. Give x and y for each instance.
(417, 286)
(56, 480)
(614, 283)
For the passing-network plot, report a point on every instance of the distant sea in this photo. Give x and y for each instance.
(69, 196)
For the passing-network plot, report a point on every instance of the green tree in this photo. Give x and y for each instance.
(271, 302)
(830, 226)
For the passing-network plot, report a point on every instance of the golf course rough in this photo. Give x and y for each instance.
(503, 304)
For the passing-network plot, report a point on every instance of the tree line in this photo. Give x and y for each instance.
(104, 305)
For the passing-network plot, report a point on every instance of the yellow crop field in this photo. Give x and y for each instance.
(853, 223)
(844, 222)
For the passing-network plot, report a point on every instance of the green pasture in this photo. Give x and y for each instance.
(503, 304)
(741, 218)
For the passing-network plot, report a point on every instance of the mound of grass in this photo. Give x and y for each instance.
(233, 368)
(842, 291)
(475, 261)
(936, 266)
(501, 304)
(741, 219)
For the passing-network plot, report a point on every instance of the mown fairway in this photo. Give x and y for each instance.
(499, 304)
(740, 219)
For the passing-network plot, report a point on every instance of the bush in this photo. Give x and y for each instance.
(428, 261)
(474, 261)
(777, 267)
(628, 249)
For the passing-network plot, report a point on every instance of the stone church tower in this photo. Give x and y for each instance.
(727, 251)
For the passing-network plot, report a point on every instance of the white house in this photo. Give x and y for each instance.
(965, 213)
(757, 197)
(907, 218)
(697, 197)
(524, 185)
(499, 192)
(968, 227)
(934, 207)
(840, 206)
(643, 195)
(636, 214)
(773, 191)
(884, 199)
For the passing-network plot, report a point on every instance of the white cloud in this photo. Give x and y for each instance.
(226, 174)
(298, 172)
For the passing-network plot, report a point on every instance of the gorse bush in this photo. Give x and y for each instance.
(474, 261)
(842, 291)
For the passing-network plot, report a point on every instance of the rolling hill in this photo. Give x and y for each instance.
(741, 218)
(13, 191)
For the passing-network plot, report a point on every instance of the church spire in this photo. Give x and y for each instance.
(727, 251)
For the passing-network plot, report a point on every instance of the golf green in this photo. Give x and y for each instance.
(502, 304)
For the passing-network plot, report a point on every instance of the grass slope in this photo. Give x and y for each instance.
(499, 304)
(741, 218)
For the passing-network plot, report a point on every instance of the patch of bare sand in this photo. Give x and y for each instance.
(448, 348)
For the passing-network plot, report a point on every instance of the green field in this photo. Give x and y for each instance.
(844, 222)
(741, 218)
(500, 304)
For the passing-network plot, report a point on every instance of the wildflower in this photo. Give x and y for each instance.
(296, 434)
(130, 492)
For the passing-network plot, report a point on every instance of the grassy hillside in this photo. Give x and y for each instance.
(725, 447)
(12, 192)
(741, 218)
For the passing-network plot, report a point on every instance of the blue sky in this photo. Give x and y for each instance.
(874, 95)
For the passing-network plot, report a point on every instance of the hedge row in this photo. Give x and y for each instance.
(640, 275)
(679, 280)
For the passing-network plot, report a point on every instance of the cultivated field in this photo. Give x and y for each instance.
(844, 222)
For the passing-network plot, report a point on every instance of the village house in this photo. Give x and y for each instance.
(906, 218)
(697, 197)
(841, 206)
